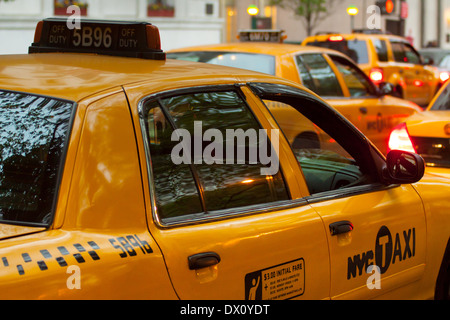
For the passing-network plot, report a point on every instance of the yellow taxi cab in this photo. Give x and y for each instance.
(121, 178)
(386, 58)
(328, 73)
(428, 134)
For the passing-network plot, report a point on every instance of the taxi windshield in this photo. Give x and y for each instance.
(249, 61)
(355, 49)
(33, 135)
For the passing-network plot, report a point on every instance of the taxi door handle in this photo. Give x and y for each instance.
(340, 227)
(203, 260)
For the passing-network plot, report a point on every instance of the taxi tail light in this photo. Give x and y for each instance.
(418, 83)
(38, 32)
(377, 75)
(444, 76)
(153, 37)
(400, 139)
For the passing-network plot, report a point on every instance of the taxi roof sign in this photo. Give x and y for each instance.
(116, 38)
(261, 35)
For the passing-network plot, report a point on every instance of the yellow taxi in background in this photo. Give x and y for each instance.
(428, 134)
(328, 73)
(386, 58)
(121, 178)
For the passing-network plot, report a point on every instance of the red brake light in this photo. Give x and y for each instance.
(418, 83)
(336, 38)
(400, 139)
(377, 76)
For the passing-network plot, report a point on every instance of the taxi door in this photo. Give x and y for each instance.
(376, 233)
(377, 242)
(225, 231)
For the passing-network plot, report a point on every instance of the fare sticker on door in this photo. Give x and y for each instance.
(281, 282)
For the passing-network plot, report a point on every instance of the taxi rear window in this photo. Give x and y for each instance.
(33, 137)
(355, 49)
(249, 61)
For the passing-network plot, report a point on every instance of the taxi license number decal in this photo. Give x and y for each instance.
(284, 281)
(125, 245)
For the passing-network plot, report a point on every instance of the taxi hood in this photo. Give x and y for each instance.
(429, 124)
(9, 231)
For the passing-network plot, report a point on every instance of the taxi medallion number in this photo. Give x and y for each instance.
(103, 36)
(89, 36)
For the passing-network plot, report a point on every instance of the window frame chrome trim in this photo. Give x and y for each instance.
(212, 216)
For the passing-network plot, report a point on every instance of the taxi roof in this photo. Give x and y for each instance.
(74, 76)
(275, 49)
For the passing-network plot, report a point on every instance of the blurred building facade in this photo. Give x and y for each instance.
(181, 22)
(195, 22)
(424, 22)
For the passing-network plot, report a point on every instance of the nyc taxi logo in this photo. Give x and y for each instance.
(388, 250)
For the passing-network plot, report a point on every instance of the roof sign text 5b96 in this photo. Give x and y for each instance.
(118, 38)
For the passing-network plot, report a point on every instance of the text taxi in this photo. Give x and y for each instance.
(428, 134)
(328, 73)
(116, 183)
(386, 58)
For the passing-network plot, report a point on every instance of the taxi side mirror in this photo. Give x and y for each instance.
(404, 167)
(385, 89)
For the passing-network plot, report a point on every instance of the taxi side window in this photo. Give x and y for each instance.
(357, 83)
(381, 49)
(405, 53)
(443, 101)
(210, 178)
(330, 155)
(317, 75)
(33, 138)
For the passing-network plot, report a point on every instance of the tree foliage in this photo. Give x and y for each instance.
(310, 12)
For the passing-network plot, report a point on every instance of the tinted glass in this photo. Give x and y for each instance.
(325, 163)
(175, 190)
(211, 176)
(405, 53)
(443, 101)
(33, 135)
(249, 61)
(357, 83)
(411, 54)
(318, 75)
(381, 49)
(354, 49)
(305, 75)
(445, 63)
